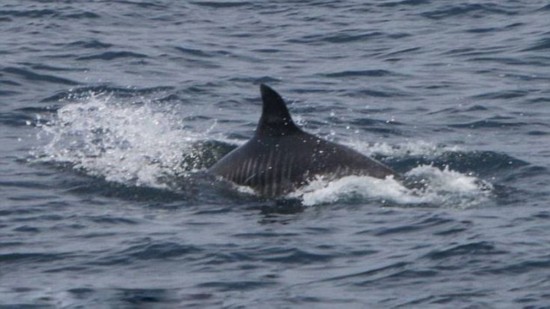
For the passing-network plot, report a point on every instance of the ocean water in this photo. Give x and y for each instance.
(111, 111)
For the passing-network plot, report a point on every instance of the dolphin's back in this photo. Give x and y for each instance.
(276, 166)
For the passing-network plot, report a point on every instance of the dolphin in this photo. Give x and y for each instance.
(281, 158)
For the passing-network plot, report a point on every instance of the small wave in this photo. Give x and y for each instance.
(466, 250)
(28, 13)
(51, 68)
(111, 55)
(222, 4)
(29, 75)
(86, 297)
(359, 73)
(62, 14)
(89, 44)
(471, 9)
(194, 52)
(500, 95)
(525, 61)
(493, 122)
(19, 257)
(543, 44)
(341, 37)
(154, 250)
(404, 2)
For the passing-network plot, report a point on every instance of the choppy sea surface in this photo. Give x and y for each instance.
(111, 111)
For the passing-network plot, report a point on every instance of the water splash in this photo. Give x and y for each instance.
(120, 141)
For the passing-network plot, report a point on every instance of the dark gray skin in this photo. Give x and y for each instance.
(280, 157)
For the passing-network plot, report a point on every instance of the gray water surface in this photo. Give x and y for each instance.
(103, 198)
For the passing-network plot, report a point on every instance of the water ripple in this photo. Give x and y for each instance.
(112, 55)
(472, 9)
(28, 75)
(471, 249)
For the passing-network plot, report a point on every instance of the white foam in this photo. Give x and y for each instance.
(121, 141)
(441, 188)
(321, 191)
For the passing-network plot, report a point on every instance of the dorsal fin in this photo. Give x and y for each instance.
(275, 119)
